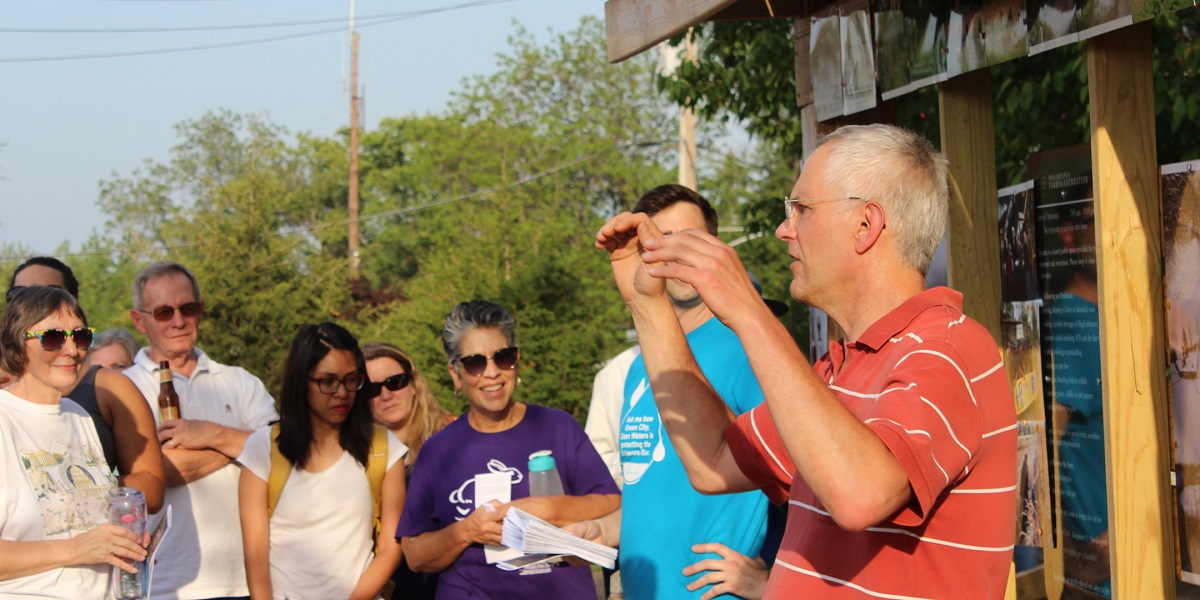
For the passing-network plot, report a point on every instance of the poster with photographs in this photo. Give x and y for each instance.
(891, 41)
(825, 56)
(1052, 23)
(1181, 250)
(1097, 17)
(858, 57)
(927, 34)
(1070, 321)
(1006, 31)
(1018, 271)
(1021, 335)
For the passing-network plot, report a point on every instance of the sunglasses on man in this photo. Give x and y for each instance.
(505, 359)
(394, 383)
(163, 314)
(53, 339)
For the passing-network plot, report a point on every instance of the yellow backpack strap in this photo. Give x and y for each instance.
(280, 469)
(376, 467)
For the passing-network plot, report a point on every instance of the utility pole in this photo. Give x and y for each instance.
(687, 127)
(354, 100)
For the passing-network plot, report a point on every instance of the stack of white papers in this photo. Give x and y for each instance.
(529, 534)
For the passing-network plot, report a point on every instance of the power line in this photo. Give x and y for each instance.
(279, 38)
(417, 13)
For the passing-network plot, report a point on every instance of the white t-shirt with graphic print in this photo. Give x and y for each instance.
(54, 485)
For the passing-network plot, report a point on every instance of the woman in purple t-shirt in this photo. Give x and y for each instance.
(441, 528)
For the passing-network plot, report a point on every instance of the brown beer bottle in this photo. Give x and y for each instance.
(168, 400)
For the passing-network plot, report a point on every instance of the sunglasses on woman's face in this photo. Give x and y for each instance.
(394, 383)
(53, 339)
(505, 359)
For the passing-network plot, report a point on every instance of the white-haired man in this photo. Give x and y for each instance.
(896, 451)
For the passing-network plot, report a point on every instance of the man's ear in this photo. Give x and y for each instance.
(136, 316)
(871, 225)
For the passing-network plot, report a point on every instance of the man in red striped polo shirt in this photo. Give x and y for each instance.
(897, 451)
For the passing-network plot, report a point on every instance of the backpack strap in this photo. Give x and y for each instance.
(376, 468)
(280, 469)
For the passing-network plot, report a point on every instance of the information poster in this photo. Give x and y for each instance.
(1053, 23)
(825, 56)
(928, 38)
(982, 35)
(1181, 249)
(892, 40)
(1097, 17)
(1067, 276)
(858, 57)
(1020, 331)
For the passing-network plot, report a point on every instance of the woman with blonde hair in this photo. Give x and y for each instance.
(402, 402)
(401, 399)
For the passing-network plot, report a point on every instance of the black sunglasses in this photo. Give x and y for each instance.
(505, 359)
(53, 339)
(394, 383)
(166, 313)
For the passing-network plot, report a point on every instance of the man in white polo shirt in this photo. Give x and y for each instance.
(220, 405)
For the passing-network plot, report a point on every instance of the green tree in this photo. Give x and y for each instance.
(237, 205)
(500, 199)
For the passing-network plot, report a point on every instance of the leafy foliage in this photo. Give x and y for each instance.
(497, 197)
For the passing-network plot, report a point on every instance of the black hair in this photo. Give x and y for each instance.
(71, 284)
(311, 345)
(666, 196)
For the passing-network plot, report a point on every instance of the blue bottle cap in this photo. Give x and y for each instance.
(541, 461)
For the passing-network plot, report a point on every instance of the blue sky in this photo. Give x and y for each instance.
(69, 124)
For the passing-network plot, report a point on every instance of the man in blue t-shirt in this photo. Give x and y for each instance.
(663, 517)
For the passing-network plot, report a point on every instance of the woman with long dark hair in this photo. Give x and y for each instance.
(317, 542)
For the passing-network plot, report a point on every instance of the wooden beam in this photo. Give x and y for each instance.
(767, 9)
(1132, 353)
(637, 25)
(973, 232)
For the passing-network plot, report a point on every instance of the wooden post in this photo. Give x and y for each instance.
(973, 231)
(1132, 361)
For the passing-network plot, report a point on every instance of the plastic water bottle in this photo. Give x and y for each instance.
(127, 508)
(543, 475)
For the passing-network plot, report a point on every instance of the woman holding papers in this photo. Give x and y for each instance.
(317, 542)
(55, 540)
(470, 473)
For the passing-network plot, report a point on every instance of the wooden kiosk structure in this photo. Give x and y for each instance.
(1128, 238)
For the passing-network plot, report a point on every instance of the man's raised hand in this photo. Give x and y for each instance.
(622, 237)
